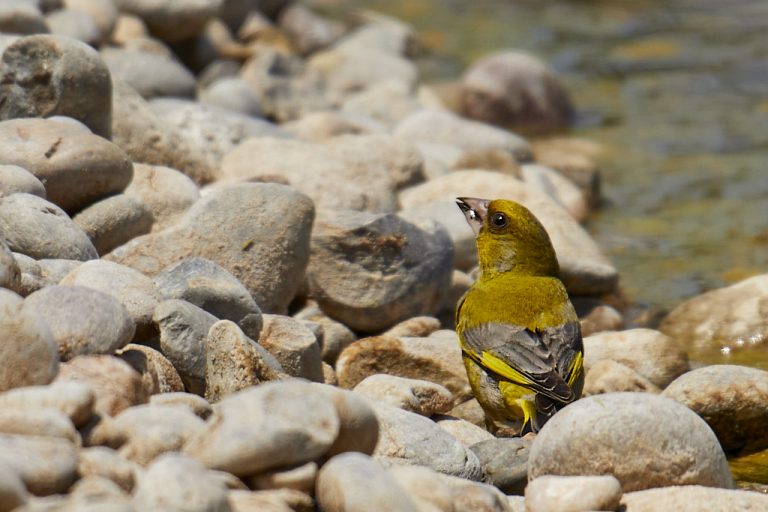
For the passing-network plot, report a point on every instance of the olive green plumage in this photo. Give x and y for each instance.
(519, 334)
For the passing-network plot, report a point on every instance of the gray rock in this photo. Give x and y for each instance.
(134, 290)
(103, 13)
(234, 362)
(353, 482)
(10, 272)
(517, 91)
(194, 403)
(207, 285)
(150, 74)
(371, 271)
(670, 444)
(48, 75)
(239, 228)
(46, 465)
(157, 373)
(231, 93)
(381, 32)
(177, 482)
(37, 274)
(334, 336)
(28, 350)
(653, 355)
(74, 399)
(505, 463)
(609, 376)
(419, 396)
(75, 24)
(40, 229)
(20, 17)
(76, 166)
(308, 31)
(410, 439)
(114, 221)
(42, 422)
(415, 327)
(183, 329)
(733, 400)
(388, 102)
(17, 179)
(82, 320)
(107, 463)
(293, 345)
(692, 498)
(558, 187)
(165, 191)
(13, 493)
(572, 493)
(172, 21)
(268, 426)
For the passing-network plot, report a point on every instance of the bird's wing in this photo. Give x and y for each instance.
(518, 355)
(567, 349)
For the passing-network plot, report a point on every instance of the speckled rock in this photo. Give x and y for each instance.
(166, 192)
(419, 396)
(572, 493)
(46, 465)
(609, 376)
(76, 166)
(75, 399)
(293, 345)
(670, 444)
(172, 21)
(113, 221)
(505, 462)
(106, 462)
(150, 74)
(82, 320)
(17, 179)
(692, 498)
(49, 75)
(157, 373)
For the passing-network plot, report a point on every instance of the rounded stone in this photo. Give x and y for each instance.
(17, 179)
(46, 465)
(74, 399)
(74, 24)
(10, 272)
(167, 193)
(114, 221)
(572, 493)
(150, 74)
(172, 21)
(293, 345)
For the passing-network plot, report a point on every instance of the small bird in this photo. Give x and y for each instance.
(519, 334)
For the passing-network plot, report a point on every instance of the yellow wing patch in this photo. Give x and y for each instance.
(499, 367)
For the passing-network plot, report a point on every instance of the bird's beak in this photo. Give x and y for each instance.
(474, 210)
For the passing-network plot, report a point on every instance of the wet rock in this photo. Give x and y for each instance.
(41, 422)
(335, 335)
(268, 426)
(157, 373)
(17, 179)
(608, 376)
(172, 21)
(48, 75)
(410, 439)
(46, 465)
(75, 24)
(505, 463)
(371, 271)
(238, 227)
(670, 444)
(353, 482)
(107, 463)
(134, 290)
(177, 481)
(40, 229)
(419, 396)
(75, 399)
(22, 18)
(10, 273)
(517, 91)
(150, 74)
(113, 221)
(37, 274)
(467, 433)
(572, 493)
(234, 362)
(733, 400)
(650, 353)
(82, 320)
(76, 166)
(691, 498)
(194, 403)
(293, 345)
(165, 191)
(435, 359)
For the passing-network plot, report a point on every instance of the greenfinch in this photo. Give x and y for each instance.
(519, 334)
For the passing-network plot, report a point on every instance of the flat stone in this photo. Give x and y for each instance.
(75, 399)
(693, 497)
(166, 192)
(293, 345)
(572, 493)
(113, 221)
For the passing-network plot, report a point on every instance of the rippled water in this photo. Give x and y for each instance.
(677, 90)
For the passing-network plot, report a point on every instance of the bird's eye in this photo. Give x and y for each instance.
(498, 220)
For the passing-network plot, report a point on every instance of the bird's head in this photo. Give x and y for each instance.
(509, 238)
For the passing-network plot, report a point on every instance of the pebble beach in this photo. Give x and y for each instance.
(230, 256)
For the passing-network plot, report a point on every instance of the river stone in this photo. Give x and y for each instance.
(387, 102)
(175, 481)
(103, 12)
(172, 21)
(233, 362)
(466, 432)
(335, 336)
(584, 269)
(435, 359)
(113, 221)
(572, 493)
(730, 319)
(10, 272)
(76, 166)
(443, 127)
(419, 396)
(74, 24)
(115, 385)
(410, 439)
(134, 290)
(331, 181)
(517, 91)
(194, 403)
(353, 482)
(21, 17)
(95, 491)
(371, 271)
(651, 354)
(231, 93)
(13, 493)
(150, 74)
(165, 191)
(183, 329)
(40, 229)
(325, 125)
(301, 478)
(208, 286)
(75, 399)
(259, 232)
(106, 462)
(17, 179)
(558, 187)
(272, 425)
(149, 139)
(273, 500)
(49, 75)
(609, 376)
(37, 274)
(308, 31)
(733, 400)
(293, 345)
(505, 463)
(82, 320)
(157, 373)
(42, 422)
(669, 443)
(693, 498)
(46, 465)
(28, 350)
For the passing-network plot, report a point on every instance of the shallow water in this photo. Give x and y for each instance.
(677, 90)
